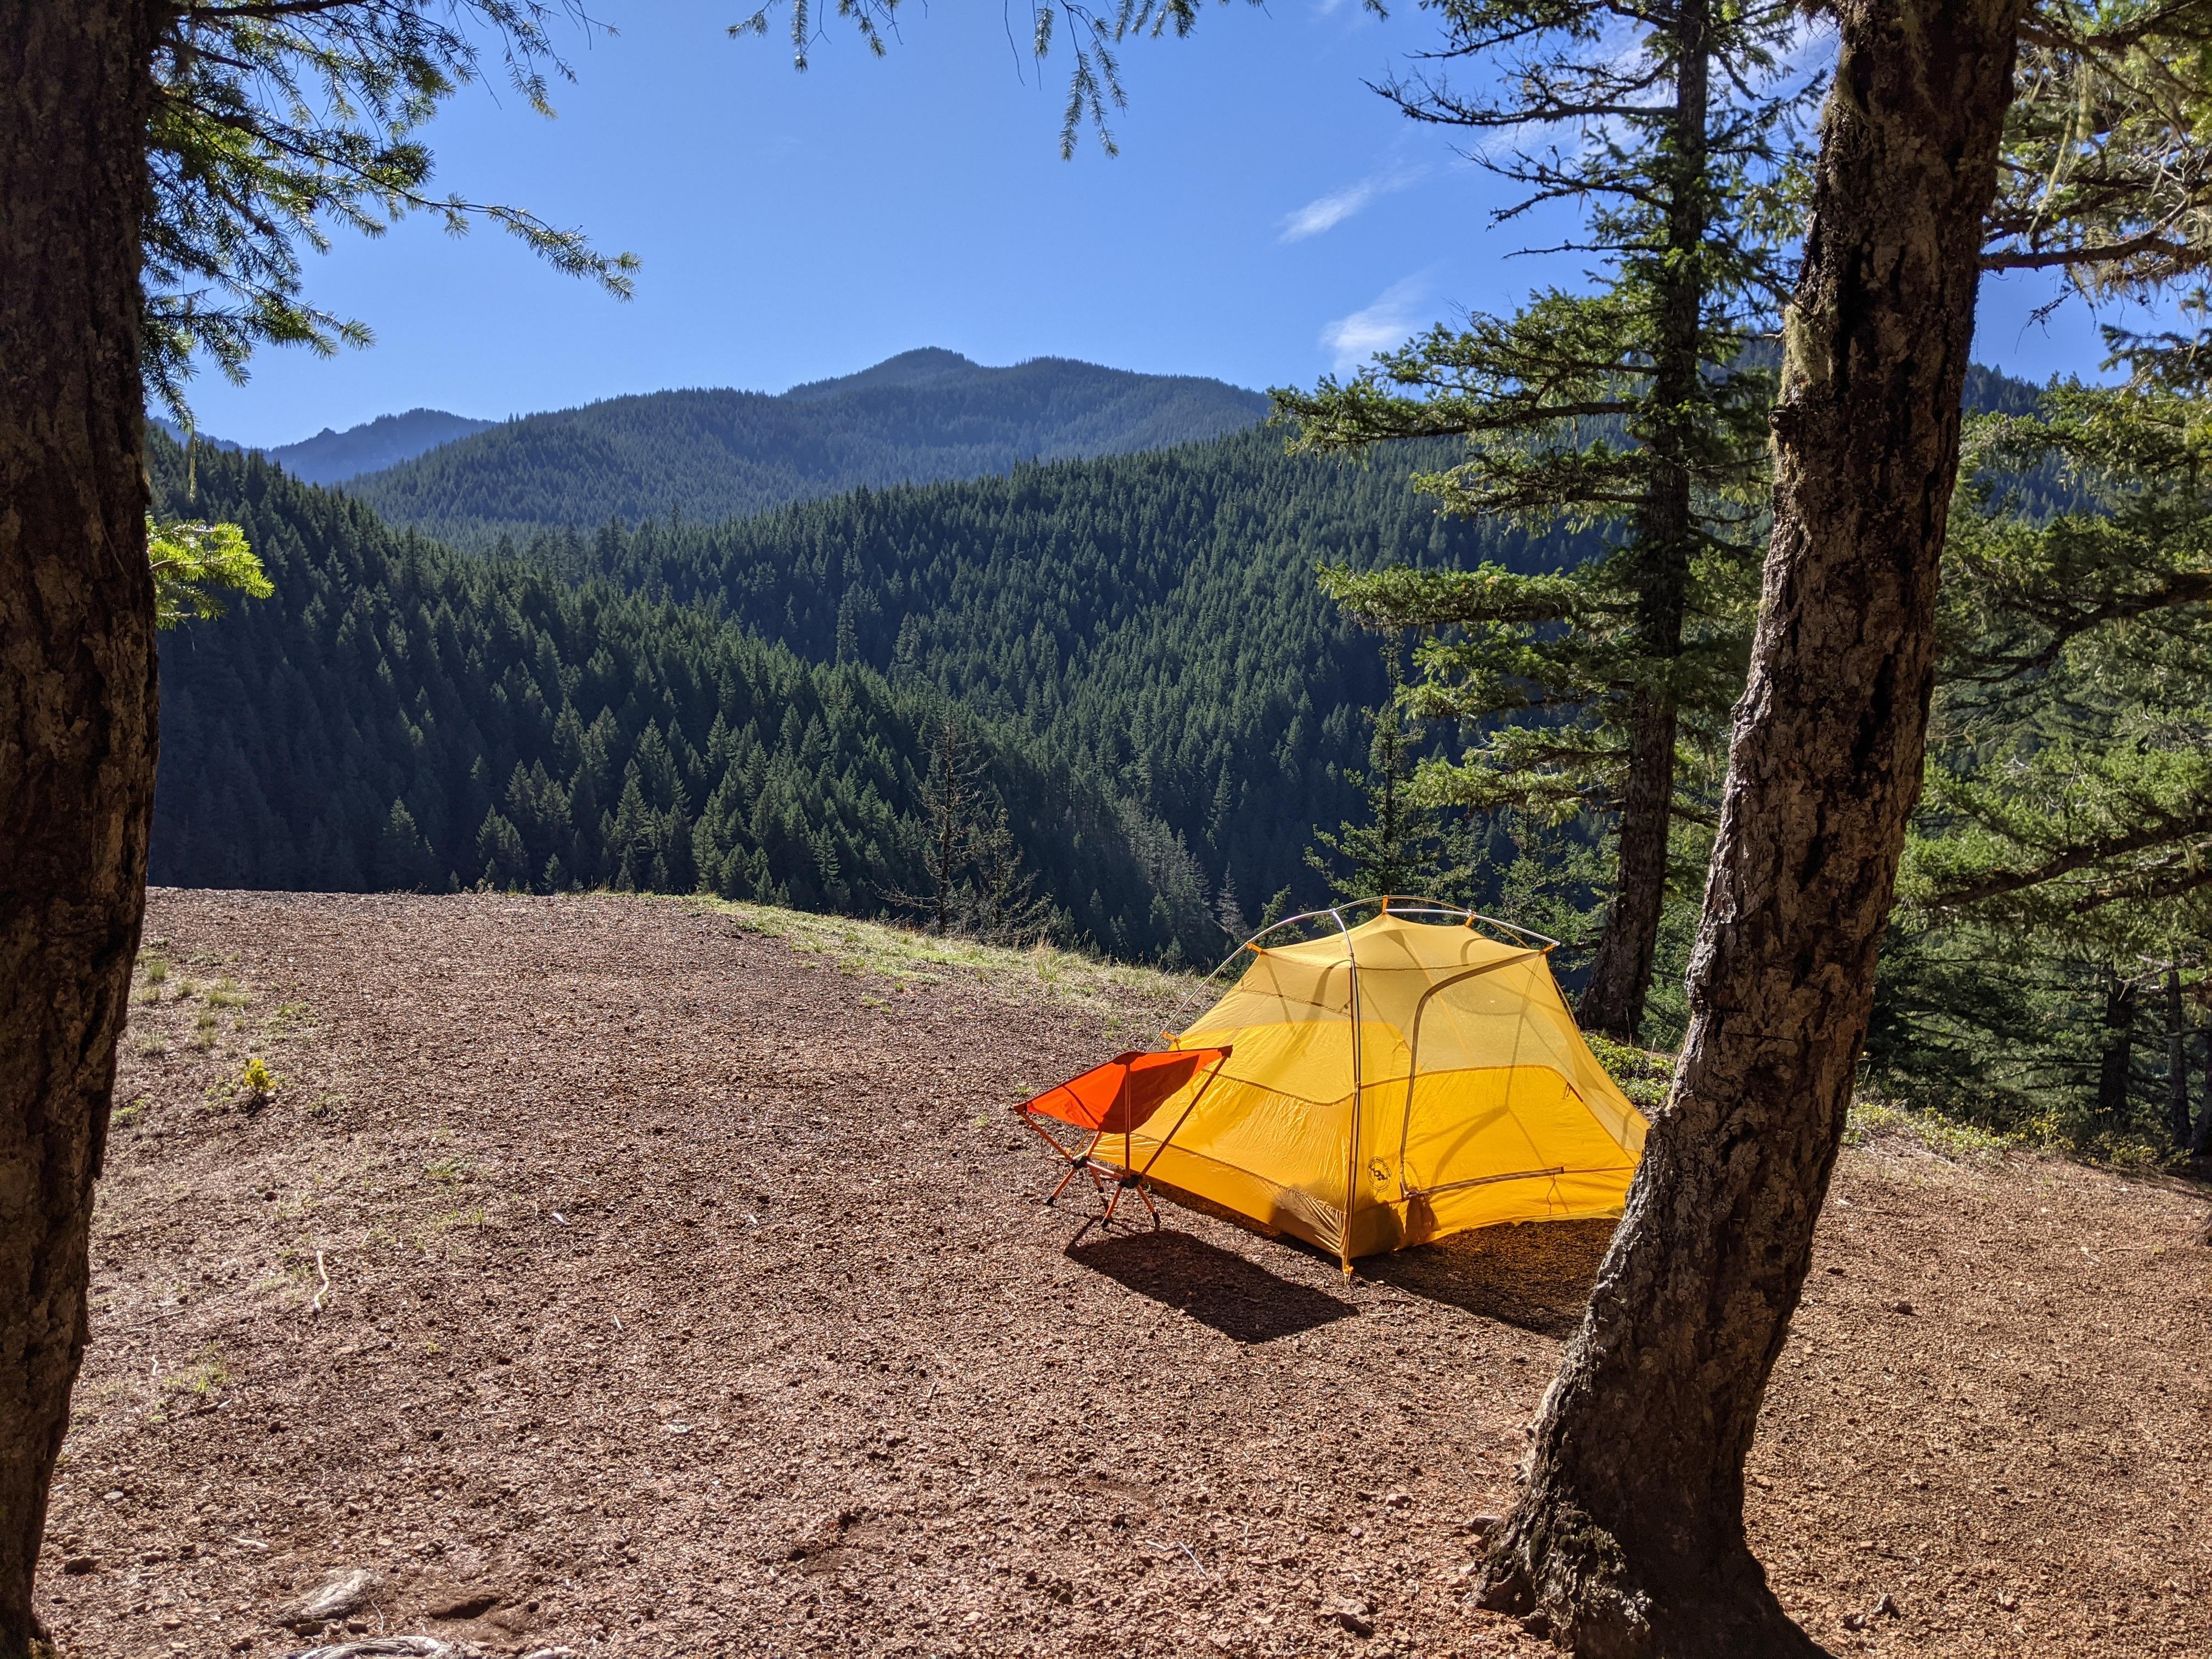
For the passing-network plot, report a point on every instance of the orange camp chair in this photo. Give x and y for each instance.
(1118, 1098)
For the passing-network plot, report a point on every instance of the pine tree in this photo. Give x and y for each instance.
(1636, 412)
(2062, 855)
(501, 857)
(1399, 850)
(404, 859)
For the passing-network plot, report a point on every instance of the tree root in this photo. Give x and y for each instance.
(1569, 1579)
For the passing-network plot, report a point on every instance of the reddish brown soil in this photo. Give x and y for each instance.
(688, 1295)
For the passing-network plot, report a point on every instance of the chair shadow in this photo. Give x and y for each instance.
(1536, 1275)
(1217, 1287)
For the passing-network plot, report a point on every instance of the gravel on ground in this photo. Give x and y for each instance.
(658, 1278)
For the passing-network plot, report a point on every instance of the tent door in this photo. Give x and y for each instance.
(1414, 1180)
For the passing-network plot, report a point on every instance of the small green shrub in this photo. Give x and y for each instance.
(1644, 1074)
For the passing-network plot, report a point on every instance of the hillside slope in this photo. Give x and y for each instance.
(1155, 615)
(714, 454)
(684, 1292)
(401, 716)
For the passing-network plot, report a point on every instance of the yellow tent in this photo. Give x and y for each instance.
(1478, 1101)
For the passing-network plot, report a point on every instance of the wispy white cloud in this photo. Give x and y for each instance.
(1388, 322)
(1326, 212)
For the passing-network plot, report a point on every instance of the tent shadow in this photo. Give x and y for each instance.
(1217, 1287)
(1536, 1275)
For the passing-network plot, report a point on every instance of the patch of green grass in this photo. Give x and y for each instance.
(204, 1376)
(905, 958)
(1872, 1121)
(447, 1170)
(434, 1231)
(151, 1046)
(124, 1116)
(204, 1032)
(156, 967)
(228, 993)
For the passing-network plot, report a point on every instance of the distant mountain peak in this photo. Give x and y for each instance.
(331, 457)
(919, 367)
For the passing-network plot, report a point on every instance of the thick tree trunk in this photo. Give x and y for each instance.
(1628, 1536)
(1620, 975)
(2118, 1058)
(2177, 1061)
(2200, 1144)
(78, 694)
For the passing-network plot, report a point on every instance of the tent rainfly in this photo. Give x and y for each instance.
(1384, 1084)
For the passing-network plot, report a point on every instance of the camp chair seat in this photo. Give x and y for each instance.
(1117, 1098)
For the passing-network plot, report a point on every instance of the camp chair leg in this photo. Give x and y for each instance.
(1149, 1205)
(1075, 1161)
(1073, 1165)
(1126, 1184)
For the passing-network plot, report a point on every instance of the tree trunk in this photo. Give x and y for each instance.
(1620, 975)
(2177, 1061)
(2200, 1144)
(1628, 1536)
(78, 694)
(2119, 1053)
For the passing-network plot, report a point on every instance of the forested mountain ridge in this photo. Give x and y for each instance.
(331, 457)
(710, 455)
(334, 456)
(401, 716)
(1154, 616)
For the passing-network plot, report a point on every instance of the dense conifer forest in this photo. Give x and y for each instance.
(1141, 637)
(1154, 616)
(401, 716)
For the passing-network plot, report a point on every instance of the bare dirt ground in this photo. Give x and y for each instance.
(684, 1291)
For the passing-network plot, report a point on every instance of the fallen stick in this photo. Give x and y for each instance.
(315, 1307)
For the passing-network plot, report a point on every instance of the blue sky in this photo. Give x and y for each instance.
(1268, 218)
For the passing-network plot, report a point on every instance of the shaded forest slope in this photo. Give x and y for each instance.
(1154, 616)
(1144, 632)
(401, 716)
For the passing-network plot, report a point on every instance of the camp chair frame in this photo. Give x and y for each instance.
(1125, 1175)
(1385, 904)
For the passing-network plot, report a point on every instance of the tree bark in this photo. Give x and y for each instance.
(1628, 1538)
(2200, 1144)
(2119, 1057)
(78, 694)
(1620, 974)
(2177, 1061)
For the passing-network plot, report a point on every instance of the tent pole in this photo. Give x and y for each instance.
(1352, 1157)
